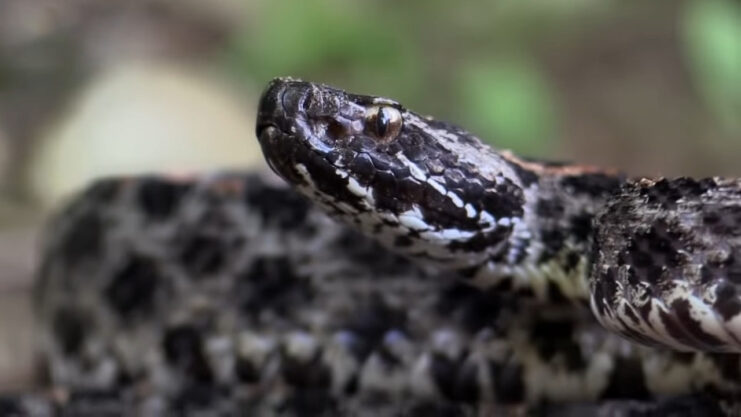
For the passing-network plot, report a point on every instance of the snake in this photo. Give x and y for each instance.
(663, 259)
(461, 280)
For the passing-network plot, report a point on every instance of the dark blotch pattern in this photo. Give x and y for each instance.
(509, 385)
(84, 239)
(133, 288)
(675, 328)
(272, 283)
(723, 220)
(455, 379)
(203, 254)
(729, 365)
(553, 243)
(310, 402)
(505, 200)
(581, 226)
(681, 308)
(403, 242)
(198, 398)
(666, 193)
(653, 253)
(727, 301)
(370, 323)
(246, 371)
(311, 373)
(362, 251)
(474, 308)
(572, 261)
(549, 208)
(183, 348)
(556, 338)
(70, 328)
(435, 409)
(627, 380)
(594, 185)
(275, 205)
(159, 198)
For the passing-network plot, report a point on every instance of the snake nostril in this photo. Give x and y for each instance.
(295, 98)
(307, 99)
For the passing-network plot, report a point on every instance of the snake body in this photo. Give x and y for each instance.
(662, 260)
(231, 292)
(233, 295)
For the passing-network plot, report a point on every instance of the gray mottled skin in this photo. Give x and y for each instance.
(231, 292)
(435, 193)
(668, 258)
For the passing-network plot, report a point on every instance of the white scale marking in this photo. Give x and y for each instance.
(354, 186)
(456, 234)
(418, 174)
(455, 199)
(413, 168)
(470, 211)
(304, 172)
(437, 186)
(413, 220)
(487, 218)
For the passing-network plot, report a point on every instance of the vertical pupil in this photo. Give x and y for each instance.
(382, 122)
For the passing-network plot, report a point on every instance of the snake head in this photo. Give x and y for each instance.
(426, 188)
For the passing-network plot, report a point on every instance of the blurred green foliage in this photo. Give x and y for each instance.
(712, 33)
(476, 63)
(511, 101)
(331, 41)
(395, 49)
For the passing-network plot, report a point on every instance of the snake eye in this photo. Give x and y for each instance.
(383, 122)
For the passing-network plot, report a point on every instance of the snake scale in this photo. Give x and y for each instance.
(230, 294)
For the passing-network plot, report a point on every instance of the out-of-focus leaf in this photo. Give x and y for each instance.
(712, 34)
(333, 38)
(508, 104)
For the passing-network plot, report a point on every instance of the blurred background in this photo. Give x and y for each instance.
(91, 88)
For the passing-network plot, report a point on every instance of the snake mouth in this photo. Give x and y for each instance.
(279, 112)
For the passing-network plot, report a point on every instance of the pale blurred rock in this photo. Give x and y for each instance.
(17, 255)
(16, 316)
(16, 341)
(4, 158)
(146, 118)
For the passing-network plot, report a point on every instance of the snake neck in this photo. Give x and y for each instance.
(548, 253)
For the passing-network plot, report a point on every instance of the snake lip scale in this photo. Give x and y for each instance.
(658, 260)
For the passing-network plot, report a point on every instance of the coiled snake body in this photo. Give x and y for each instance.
(232, 293)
